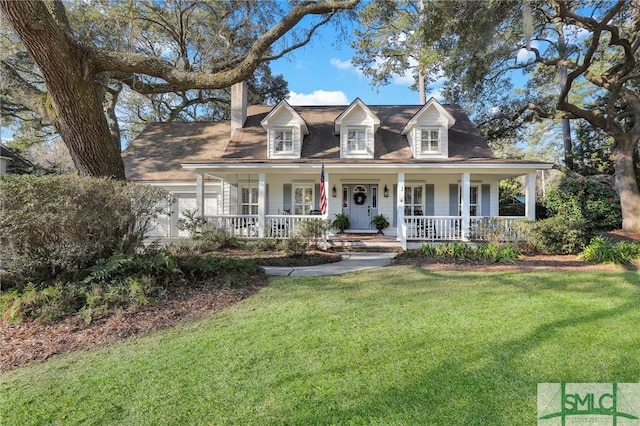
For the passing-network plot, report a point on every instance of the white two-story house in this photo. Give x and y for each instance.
(425, 167)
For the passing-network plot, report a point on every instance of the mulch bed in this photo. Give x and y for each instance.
(313, 258)
(32, 342)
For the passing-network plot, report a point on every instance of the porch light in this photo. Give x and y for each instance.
(385, 192)
(334, 192)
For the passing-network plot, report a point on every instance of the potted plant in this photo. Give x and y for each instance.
(341, 222)
(381, 222)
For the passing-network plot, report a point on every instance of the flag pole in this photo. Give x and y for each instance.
(324, 208)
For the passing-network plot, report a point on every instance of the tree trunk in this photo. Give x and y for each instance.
(626, 183)
(75, 104)
(112, 118)
(566, 124)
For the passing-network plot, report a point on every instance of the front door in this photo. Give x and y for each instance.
(361, 205)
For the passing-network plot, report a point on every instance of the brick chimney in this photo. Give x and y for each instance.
(238, 105)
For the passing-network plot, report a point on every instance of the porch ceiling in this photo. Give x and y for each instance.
(501, 169)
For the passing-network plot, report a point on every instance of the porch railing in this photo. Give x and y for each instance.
(419, 228)
(503, 228)
(245, 226)
(434, 228)
(285, 226)
(449, 228)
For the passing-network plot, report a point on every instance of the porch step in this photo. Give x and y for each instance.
(365, 242)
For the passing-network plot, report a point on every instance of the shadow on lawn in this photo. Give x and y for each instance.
(493, 385)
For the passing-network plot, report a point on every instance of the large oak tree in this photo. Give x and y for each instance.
(479, 45)
(77, 69)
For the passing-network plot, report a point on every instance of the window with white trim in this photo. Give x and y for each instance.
(356, 141)
(413, 200)
(249, 200)
(302, 199)
(429, 141)
(473, 200)
(283, 141)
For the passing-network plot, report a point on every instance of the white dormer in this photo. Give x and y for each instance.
(285, 131)
(428, 131)
(357, 126)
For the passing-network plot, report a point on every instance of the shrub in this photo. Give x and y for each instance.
(267, 244)
(220, 238)
(219, 271)
(295, 246)
(192, 222)
(124, 280)
(490, 252)
(312, 230)
(592, 203)
(48, 304)
(556, 235)
(602, 250)
(54, 227)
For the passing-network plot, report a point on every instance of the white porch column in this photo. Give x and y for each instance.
(262, 205)
(200, 193)
(530, 196)
(402, 227)
(465, 185)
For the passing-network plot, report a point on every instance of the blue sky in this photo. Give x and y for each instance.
(321, 73)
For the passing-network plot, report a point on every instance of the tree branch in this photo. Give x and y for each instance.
(103, 60)
(29, 96)
(301, 43)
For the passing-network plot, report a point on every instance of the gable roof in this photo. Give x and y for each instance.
(285, 105)
(431, 103)
(158, 152)
(357, 103)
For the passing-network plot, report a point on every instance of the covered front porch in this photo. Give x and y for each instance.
(434, 203)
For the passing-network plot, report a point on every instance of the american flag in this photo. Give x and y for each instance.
(323, 193)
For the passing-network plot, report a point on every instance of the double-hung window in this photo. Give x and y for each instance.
(356, 141)
(283, 140)
(302, 199)
(473, 200)
(429, 141)
(249, 200)
(413, 201)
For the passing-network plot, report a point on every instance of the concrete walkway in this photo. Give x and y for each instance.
(351, 262)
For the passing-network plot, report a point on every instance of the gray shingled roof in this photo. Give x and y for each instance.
(156, 154)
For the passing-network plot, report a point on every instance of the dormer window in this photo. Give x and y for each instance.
(429, 141)
(428, 131)
(283, 140)
(357, 141)
(285, 132)
(357, 127)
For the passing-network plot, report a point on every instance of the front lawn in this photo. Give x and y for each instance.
(397, 345)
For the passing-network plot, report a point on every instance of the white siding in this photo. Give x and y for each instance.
(283, 119)
(430, 118)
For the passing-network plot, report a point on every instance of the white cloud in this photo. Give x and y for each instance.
(575, 33)
(524, 55)
(345, 66)
(437, 94)
(318, 97)
(341, 65)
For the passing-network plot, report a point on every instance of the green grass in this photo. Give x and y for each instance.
(394, 346)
